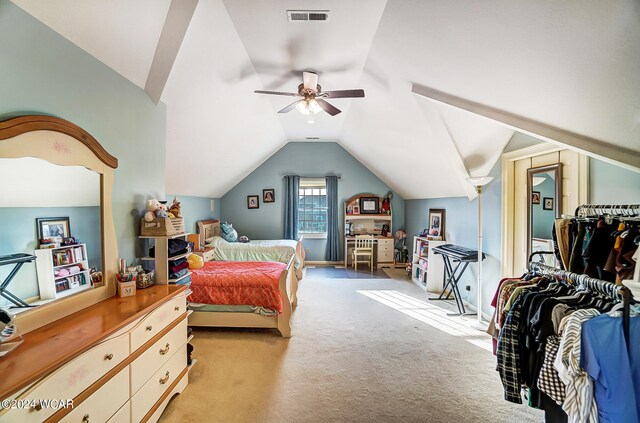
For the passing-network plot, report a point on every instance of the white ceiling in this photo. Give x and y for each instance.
(573, 64)
(43, 184)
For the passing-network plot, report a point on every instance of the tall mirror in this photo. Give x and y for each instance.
(544, 205)
(56, 182)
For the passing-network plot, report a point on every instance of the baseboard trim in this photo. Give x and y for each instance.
(324, 263)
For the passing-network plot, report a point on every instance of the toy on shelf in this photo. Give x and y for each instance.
(153, 205)
(175, 209)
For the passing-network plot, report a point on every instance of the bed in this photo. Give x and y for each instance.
(243, 295)
(255, 250)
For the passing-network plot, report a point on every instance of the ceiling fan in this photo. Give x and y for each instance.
(313, 98)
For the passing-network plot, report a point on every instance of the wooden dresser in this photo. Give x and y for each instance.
(120, 360)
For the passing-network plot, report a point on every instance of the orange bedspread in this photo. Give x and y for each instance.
(253, 283)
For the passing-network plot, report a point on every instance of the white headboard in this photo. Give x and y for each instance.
(207, 229)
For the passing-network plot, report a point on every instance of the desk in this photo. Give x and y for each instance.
(382, 248)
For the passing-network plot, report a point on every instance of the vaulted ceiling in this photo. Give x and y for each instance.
(573, 65)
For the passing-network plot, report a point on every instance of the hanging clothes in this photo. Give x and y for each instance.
(540, 349)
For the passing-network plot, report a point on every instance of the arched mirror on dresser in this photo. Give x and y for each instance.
(56, 180)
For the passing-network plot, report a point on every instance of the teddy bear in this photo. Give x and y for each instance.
(175, 208)
(153, 205)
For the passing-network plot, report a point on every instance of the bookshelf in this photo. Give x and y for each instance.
(161, 259)
(427, 268)
(62, 271)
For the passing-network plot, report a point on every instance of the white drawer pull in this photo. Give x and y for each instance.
(108, 357)
(165, 379)
(85, 419)
(177, 308)
(165, 350)
(149, 328)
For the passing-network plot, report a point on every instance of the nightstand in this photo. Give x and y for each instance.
(206, 253)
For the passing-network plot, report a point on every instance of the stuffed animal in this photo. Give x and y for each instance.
(195, 261)
(162, 210)
(386, 206)
(152, 206)
(175, 208)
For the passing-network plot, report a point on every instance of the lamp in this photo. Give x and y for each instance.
(479, 182)
(308, 106)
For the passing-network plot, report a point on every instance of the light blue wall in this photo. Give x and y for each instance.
(611, 184)
(195, 209)
(18, 234)
(543, 219)
(461, 226)
(304, 159)
(42, 72)
(608, 184)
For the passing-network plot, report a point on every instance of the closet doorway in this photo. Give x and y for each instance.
(517, 233)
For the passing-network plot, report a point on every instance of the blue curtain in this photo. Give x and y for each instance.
(333, 237)
(291, 187)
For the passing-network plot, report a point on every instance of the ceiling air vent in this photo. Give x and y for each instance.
(307, 15)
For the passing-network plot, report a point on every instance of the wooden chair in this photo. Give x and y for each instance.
(363, 248)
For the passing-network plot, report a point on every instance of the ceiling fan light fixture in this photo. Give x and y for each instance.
(303, 107)
(314, 107)
(308, 107)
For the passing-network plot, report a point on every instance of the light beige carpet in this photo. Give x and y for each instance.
(362, 351)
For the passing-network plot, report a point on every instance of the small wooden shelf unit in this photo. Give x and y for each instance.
(427, 268)
(161, 259)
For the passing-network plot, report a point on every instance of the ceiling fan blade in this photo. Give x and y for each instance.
(332, 110)
(290, 107)
(344, 94)
(276, 93)
(310, 81)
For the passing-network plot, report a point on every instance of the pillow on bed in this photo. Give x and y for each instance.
(208, 241)
(228, 233)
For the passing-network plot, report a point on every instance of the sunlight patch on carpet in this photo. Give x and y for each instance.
(430, 314)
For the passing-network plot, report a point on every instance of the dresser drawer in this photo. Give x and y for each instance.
(385, 243)
(104, 403)
(123, 415)
(157, 355)
(72, 378)
(385, 256)
(156, 321)
(151, 392)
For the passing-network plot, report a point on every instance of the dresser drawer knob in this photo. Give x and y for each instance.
(85, 419)
(164, 350)
(149, 328)
(36, 407)
(165, 379)
(108, 357)
(177, 308)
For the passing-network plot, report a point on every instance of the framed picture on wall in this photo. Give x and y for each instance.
(436, 223)
(269, 195)
(547, 203)
(253, 202)
(369, 205)
(535, 197)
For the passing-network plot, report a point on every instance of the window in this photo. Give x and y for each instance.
(312, 208)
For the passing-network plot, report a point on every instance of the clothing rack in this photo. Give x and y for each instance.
(609, 289)
(620, 210)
